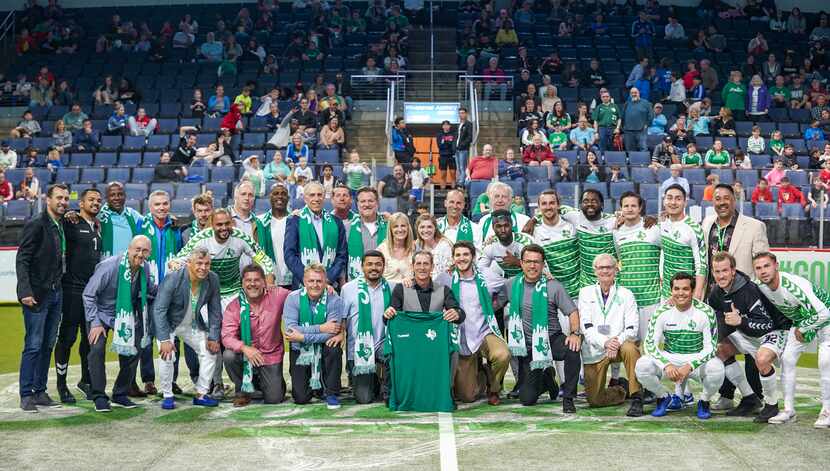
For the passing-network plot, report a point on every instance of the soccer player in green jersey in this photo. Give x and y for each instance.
(558, 238)
(594, 232)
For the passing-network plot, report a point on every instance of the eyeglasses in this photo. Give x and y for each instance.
(533, 262)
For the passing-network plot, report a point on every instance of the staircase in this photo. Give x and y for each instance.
(426, 86)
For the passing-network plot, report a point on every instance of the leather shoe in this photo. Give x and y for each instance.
(241, 400)
(150, 389)
(135, 391)
(493, 399)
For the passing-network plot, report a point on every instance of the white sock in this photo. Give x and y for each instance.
(788, 362)
(735, 373)
(824, 371)
(678, 389)
(769, 384)
(615, 371)
(712, 375)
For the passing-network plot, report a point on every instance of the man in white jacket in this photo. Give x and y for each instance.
(610, 321)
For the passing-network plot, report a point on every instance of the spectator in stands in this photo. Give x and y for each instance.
(779, 94)
(658, 122)
(607, 121)
(276, 170)
(592, 170)
(211, 50)
(8, 157)
(717, 157)
(712, 180)
(636, 116)
(63, 94)
(297, 148)
(708, 76)
(218, 103)
(127, 92)
(510, 168)
(770, 69)
(86, 139)
(779, 171)
(6, 189)
(551, 65)
(757, 100)
(402, 143)
(757, 45)
(549, 98)
(531, 131)
(761, 193)
(418, 179)
(167, 171)
(184, 37)
(790, 194)
(53, 160)
(328, 180)
(254, 174)
(776, 143)
(674, 31)
(29, 188)
(642, 30)
(821, 33)
(332, 98)
(529, 112)
(141, 124)
(304, 115)
(243, 100)
(691, 158)
(483, 167)
(558, 124)
(74, 118)
(30, 158)
(675, 178)
(818, 192)
(42, 93)
(814, 133)
(538, 152)
(302, 171)
(796, 24)
(690, 74)
(27, 128)
(396, 186)
(563, 172)
(332, 111)
(819, 107)
(117, 124)
(232, 121)
(506, 35)
(495, 79)
(756, 144)
(332, 135)
(734, 95)
(594, 75)
(584, 137)
(446, 141)
(664, 154)
(789, 158)
(253, 52)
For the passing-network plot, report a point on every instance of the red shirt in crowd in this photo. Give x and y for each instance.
(6, 191)
(482, 168)
(789, 194)
(533, 153)
(761, 196)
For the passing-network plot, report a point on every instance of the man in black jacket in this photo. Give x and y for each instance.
(462, 144)
(83, 243)
(748, 323)
(40, 265)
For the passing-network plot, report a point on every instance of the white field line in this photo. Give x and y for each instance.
(449, 459)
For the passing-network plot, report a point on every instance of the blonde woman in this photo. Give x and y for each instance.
(398, 249)
(550, 98)
(429, 238)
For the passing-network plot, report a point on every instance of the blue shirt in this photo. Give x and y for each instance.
(580, 136)
(122, 233)
(291, 317)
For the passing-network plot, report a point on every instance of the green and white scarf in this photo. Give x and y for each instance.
(105, 217)
(308, 238)
(123, 340)
(484, 299)
(540, 342)
(149, 229)
(465, 228)
(364, 342)
(311, 354)
(245, 336)
(265, 241)
(356, 248)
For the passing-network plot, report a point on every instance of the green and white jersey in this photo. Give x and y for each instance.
(491, 260)
(595, 237)
(225, 257)
(684, 250)
(485, 225)
(682, 337)
(806, 304)
(638, 250)
(561, 252)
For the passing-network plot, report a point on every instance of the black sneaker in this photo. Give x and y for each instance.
(554, 391)
(102, 404)
(748, 406)
(66, 397)
(649, 397)
(27, 404)
(86, 389)
(636, 408)
(42, 399)
(769, 411)
(568, 406)
(176, 389)
(125, 402)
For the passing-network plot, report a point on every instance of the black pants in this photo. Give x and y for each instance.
(127, 366)
(369, 387)
(190, 358)
(727, 389)
(404, 157)
(532, 383)
(268, 377)
(73, 320)
(329, 374)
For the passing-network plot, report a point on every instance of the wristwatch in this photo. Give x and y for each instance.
(577, 333)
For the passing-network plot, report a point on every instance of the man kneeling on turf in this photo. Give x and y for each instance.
(610, 320)
(748, 323)
(681, 344)
(188, 307)
(119, 297)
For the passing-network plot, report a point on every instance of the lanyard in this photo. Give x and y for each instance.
(602, 303)
(722, 238)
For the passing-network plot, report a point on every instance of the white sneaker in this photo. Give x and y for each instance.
(783, 417)
(723, 404)
(823, 419)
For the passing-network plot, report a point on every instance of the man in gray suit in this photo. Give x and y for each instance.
(188, 307)
(742, 236)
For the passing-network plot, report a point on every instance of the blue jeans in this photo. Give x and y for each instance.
(606, 136)
(461, 160)
(41, 323)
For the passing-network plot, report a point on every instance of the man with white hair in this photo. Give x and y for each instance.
(637, 114)
(501, 196)
(242, 212)
(315, 236)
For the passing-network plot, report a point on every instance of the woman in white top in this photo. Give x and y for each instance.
(398, 249)
(430, 239)
(550, 98)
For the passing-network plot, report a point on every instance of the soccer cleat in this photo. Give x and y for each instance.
(169, 403)
(689, 399)
(568, 406)
(102, 404)
(662, 406)
(65, 396)
(823, 419)
(125, 402)
(205, 401)
(27, 404)
(636, 408)
(724, 403)
(769, 411)
(332, 402)
(675, 403)
(42, 399)
(748, 406)
(783, 417)
(703, 411)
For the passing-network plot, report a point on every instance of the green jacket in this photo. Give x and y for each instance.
(734, 96)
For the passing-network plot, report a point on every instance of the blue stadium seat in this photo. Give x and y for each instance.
(615, 158)
(760, 161)
(766, 211)
(639, 158)
(18, 210)
(118, 174)
(726, 175)
(327, 156)
(748, 178)
(517, 186)
(219, 190)
(537, 174)
(380, 171)
(793, 211)
(262, 205)
(133, 143)
(534, 188)
(129, 159)
(80, 160)
(92, 175)
(798, 177)
(188, 190)
(652, 207)
(68, 175)
(136, 204)
(135, 191)
(168, 187)
(253, 140)
(601, 187)
(105, 159)
(151, 158)
(223, 174)
(180, 207)
(747, 209)
(566, 189)
(158, 142)
(199, 171)
(142, 175)
(642, 175)
(111, 143)
(695, 176)
(617, 189)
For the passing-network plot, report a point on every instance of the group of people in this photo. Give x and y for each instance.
(570, 290)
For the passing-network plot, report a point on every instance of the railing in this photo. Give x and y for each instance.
(375, 87)
(7, 35)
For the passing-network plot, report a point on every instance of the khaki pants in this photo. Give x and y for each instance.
(466, 384)
(597, 393)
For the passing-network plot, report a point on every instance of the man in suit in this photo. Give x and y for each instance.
(462, 144)
(188, 307)
(315, 236)
(743, 237)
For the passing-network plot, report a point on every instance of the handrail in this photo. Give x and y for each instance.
(431, 55)
(7, 24)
